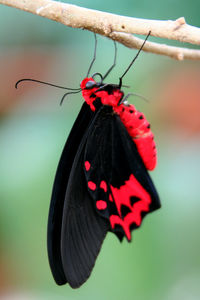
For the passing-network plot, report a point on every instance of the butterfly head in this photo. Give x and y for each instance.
(90, 85)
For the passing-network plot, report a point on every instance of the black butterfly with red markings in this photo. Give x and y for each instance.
(101, 183)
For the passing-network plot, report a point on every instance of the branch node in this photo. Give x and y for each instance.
(180, 56)
(180, 21)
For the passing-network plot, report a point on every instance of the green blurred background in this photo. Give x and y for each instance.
(163, 261)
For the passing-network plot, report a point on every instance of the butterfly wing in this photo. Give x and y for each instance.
(107, 188)
(117, 179)
(83, 230)
(59, 190)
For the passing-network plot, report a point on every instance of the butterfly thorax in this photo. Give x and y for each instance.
(108, 94)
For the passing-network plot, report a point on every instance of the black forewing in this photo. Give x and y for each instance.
(83, 230)
(59, 189)
(114, 157)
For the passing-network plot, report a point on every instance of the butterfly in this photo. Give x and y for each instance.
(101, 183)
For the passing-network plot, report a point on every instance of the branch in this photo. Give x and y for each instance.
(174, 52)
(117, 27)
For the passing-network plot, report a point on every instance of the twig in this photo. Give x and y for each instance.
(117, 27)
(174, 52)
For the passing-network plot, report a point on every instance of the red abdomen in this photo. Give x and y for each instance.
(139, 129)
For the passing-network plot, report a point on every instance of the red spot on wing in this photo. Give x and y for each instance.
(92, 185)
(87, 165)
(122, 196)
(110, 198)
(101, 204)
(103, 185)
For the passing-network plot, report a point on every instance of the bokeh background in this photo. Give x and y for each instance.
(163, 261)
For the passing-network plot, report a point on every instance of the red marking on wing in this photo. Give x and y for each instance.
(110, 198)
(101, 204)
(131, 188)
(92, 185)
(103, 185)
(87, 165)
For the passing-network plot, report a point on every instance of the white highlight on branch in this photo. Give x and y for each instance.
(40, 9)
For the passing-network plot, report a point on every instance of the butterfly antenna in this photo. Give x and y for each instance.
(43, 82)
(141, 97)
(120, 79)
(94, 56)
(123, 100)
(114, 62)
(69, 93)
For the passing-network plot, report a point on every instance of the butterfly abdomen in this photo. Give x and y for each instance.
(139, 129)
